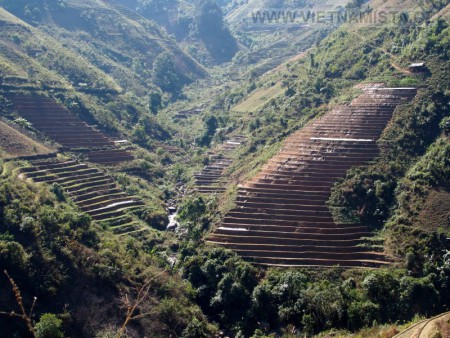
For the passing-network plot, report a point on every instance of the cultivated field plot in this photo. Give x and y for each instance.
(209, 180)
(93, 191)
(14, 144)
(282, 217)
(109, 156)
(258, 99)
(59, 124)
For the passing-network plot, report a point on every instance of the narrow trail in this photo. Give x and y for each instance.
(422, 329)
(391, 56)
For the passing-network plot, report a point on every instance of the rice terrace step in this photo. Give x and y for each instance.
(282, 218)
(92, 190)
(67, 129)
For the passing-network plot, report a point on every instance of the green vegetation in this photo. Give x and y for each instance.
(49, 326)
(310, 301)
(129, 77)
(167, 77)
(212, 31)
(54, 252)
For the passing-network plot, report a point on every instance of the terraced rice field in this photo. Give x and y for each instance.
(109, 156)
(281, 216)
(210, 179)
(123, 10)
(185, 114)
(60, 125)
(93, 192)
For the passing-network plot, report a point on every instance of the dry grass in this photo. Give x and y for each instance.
(444, 13)
(13, 144)
(436, 210)
(258, 99)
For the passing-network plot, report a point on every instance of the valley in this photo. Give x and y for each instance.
(174, 168)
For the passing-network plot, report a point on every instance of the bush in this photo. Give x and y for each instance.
(167, 76)
(12, 255)
(49, 326)
(195, 329)
(362, 314)
(193, 209)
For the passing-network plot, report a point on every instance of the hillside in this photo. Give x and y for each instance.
(391, 194)
(127, 52)
(13, 143)
(261, 33)
(301, 189)
(26, 53)
(198, 26)
(335, 71)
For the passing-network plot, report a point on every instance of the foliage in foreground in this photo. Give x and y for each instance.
(305, 301)
(82, 275)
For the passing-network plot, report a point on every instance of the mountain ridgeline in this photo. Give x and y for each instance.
(199, 24)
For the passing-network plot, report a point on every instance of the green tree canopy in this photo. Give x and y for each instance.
(49, 326)
(213, 32)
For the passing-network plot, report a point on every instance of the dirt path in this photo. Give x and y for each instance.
(438, 326)
(391, 56)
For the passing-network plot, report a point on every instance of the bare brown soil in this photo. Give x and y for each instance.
(14, 144)
(281, 217)
(67, 129)
(436, 210)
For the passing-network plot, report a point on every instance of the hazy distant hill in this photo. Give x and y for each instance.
(198, 25)
(112, 39)
(33, 58)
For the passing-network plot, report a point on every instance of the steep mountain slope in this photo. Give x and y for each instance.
(274, 31)
(99, 77)
(401, 196)
(371, 53)
(69, 264)
(298, 229)
(116, 41)
(13, 143)
(32, 58)
(197, 25)
(89, 278)
(268, 32)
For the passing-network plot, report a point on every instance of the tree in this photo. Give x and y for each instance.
(166, 74)
(155, 102)
(195, 329)
(49, 326)
(213, 32)
(211, 125)
(12, 256)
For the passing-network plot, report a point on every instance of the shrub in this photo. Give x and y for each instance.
(362, 314)
(12, 255)
(49, 326)
(195, 329)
